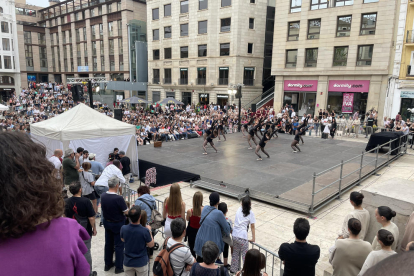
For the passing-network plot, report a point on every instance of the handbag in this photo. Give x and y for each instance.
(156, 218)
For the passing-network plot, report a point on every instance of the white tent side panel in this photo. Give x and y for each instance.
(50, 144)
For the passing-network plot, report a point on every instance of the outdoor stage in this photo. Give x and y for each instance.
(285, 179)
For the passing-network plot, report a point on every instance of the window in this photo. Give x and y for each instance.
(111, 28)
(311, 57)
(84, 35)
(184, 6)
(225, 25)
(95, 64)
(100, 31)
(120, 46)
(319, 4)
(43, 57)
(156, 34)
(250, 48)
(94, 48)
(202, 50)
(93, 32)
(183, 76)
(184, 52)
(167, 76)
(28, 52)
(251, 23)
(293, 32)
(248, 76)
(314, 28)
(92, 12)
(119, 23)
(111, 46)
(28, 37)
(365, 55)
(202, 27)
(252, 1)
(4, 27)
(202, 4)
(6, 44)
(225, 49)
(344, 25)
(340, 56)
(223, 76)
(341, 3)
(156, 76)
(225, 3)
(167, 53)
(118, 6)
(109, 9)
(370, 1)
(101, 46)
(295, 6)
(155, 54)
(201, 75)
(368, 24)
(86, 61)
(103, 64)
(291, 57)
(100, 10)
(167, 32)
(167, 10)
(77, 34)
(8, 62)
(155, 14)
(184, 29)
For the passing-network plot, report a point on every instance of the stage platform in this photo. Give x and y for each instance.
(284, 179)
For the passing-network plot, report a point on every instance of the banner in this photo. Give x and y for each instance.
(348, 103)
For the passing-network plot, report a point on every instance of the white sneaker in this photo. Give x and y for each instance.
(259, 159)
(295, 151)
(249, 148)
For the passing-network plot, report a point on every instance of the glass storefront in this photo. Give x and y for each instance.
(222, 100)
(186, 98)
(335, 101)
(204, 98)
(302, 102)
(405, 104)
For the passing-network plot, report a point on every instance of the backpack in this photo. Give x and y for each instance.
(162, 265)
(156, 219)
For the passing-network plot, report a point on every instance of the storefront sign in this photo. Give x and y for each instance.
(203, 95)
(407, 94)
(348, 103)
(83, 68)
(183, 69)
(300, 85)
(223, 96)
(348, 86)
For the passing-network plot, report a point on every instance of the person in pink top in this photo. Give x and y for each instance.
(34, 237)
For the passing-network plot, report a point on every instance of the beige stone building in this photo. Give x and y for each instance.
(77, 38)
(199, 49)
(333, 55)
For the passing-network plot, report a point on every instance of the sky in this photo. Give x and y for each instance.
(40, 3)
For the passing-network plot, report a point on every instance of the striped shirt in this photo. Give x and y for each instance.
(179, 258)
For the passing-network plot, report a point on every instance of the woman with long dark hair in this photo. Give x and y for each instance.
(34, 237)
(253, 264)
(333, 127)
(244, 218)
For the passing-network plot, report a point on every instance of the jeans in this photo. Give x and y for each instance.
(88, 255)
(316, 128)
(184, 134)
(368, 130)
(100, 190)
(113, 240)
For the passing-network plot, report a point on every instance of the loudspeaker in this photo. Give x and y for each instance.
(118, 114)
(253, 107)
(77, 93)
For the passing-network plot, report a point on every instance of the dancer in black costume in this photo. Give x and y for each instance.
(266, 138)
(304, 124)
(252, 132)
(209, 130)
(333, 127)
(220, 128)
(295, 142)
(246, 126)
(210, 140)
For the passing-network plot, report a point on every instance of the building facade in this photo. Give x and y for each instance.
(198, 50)
(333, 55)
(9, 52)
(78, 38)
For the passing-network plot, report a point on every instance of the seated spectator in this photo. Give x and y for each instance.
(300, 258)
(403, 263)
(136, 239)
(385, 240)
(384, 214)
(35, 238)
(253, 264)
(210, 252)
(181, 258)
(349, 254)
(359, 213)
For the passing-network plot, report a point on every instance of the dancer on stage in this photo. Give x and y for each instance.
(276, 129)
(209, 130)
(251, 134)
(220, 128)
(246, 126)
(266, 138)
(304, 124)
(210, 140)
(295, 142)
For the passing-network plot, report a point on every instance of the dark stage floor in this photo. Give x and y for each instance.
(235, 164)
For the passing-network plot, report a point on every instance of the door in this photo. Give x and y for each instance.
(156, 96)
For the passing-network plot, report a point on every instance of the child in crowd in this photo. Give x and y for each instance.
(227, 241)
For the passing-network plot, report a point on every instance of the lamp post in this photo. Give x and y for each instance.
(237, 91)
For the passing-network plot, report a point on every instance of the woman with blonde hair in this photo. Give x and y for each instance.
(193, 217)
(174, 207)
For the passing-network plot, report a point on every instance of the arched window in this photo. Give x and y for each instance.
(1, 10)
(6, 80)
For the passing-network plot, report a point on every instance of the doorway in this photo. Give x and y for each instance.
(302, 102)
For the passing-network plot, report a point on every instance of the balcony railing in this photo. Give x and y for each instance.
(155, 80)
(248, 82)
(201, 81)
(410, 37)
(167, 81)
(223, 81)
(183, 81)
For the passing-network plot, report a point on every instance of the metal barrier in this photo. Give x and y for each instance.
(401, 150)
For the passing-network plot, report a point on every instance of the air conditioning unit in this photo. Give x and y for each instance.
(311, 37)
(212, 84)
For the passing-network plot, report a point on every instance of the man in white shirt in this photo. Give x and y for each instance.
(56, 161)
(101, 185)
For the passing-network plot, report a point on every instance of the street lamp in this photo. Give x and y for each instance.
(237, 91)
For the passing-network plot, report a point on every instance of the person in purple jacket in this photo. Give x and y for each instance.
(34, 237)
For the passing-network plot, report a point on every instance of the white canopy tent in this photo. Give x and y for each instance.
(84, 127)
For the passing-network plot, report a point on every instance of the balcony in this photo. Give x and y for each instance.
(167, 81)
(223, 81)
(156, 80)
(201, 81)
(410, 37)
(183, 81)
(248, 82)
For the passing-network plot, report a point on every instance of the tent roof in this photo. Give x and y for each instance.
(81, 122)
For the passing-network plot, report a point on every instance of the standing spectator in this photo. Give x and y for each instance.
(126, 165)
(408, 233)
(136, 238)
(385, 239)
(111, 159)
(223, 208)
(35, 238)
(82, 207)
(213, 226)
(114, 210)
(70, 166)
(207, 267)
(84, 157)
(300, 258)
(174, 207)
(56, 160)
(116, 151)
(96, 167)
(244, 218)
(349, 254)
(359, 213)
(88, 182)
(193, 218)
(181, 258)
(253, 264)
(384, 214)
(369, 126)
(101, 185)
